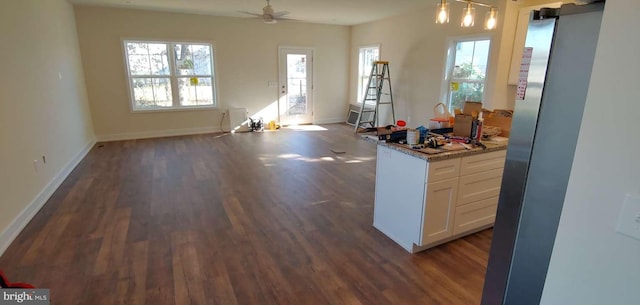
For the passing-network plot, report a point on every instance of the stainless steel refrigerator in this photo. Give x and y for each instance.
(555, 76)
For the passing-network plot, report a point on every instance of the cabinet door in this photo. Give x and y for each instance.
(438, 212)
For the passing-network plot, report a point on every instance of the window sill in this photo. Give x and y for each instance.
(174, 109)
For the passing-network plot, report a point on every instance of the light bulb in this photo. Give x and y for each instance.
(468, 16)
(442, 12)
(468, 20)
(492, 19)
(442, 16)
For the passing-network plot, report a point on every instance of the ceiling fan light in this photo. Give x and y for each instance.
(442, 12)
(468, 16)
(491, 21)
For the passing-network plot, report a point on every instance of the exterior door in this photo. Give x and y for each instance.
(295, 88)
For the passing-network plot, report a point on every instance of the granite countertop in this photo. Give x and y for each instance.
(439, 156)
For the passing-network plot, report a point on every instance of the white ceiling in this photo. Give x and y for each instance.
(343, 12)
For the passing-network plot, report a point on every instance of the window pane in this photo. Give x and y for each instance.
(147, 58)
(471, 59)
(366, 58)
(151, 93)
(139, 65)
(464, 52)
(195, 91)
(481, 56)
(466, 92)
(193, 59)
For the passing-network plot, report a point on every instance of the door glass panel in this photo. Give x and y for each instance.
(296, 84)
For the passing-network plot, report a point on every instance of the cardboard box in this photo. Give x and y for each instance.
(462, 126)
(471, 107)
(499, 118)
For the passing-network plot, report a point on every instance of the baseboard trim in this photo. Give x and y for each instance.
(330, 121)
(25, 216)
(156, 134)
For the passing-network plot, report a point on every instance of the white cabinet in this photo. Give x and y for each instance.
(399, 197)
(439, 210)
(482, 162)
(420, 204)
(479, 189)
(479, 186)
(445, 169)
(474, 215)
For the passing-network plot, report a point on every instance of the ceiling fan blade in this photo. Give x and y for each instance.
(250, 13)
(288, 19)
(280, 14)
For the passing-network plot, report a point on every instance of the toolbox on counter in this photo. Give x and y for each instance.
(401, 135)
(393, 137)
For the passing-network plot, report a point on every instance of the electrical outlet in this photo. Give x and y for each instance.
(36, 165)
(629, 219)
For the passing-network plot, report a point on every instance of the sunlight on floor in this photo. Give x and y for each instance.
(288, 156)
(305, 128)
(269, 160)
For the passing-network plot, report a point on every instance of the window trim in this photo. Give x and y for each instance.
(450, 61)
(173, 76)
(358, 76)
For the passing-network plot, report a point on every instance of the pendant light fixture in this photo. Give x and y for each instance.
(468, 16)
(442, 12)
(491, 21)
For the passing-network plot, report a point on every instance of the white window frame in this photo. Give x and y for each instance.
(450, 62)
(173, 77)
(364, 71)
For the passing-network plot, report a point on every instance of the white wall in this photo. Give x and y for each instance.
(246, 59)
(416, 50)
(43, 106)
(591, 264)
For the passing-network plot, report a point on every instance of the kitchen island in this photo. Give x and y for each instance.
(423, 200)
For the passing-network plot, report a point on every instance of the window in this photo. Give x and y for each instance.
(170, 75)
(366, 56)
(466, 71)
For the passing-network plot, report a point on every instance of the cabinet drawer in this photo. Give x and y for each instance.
(475, 215)
(445, 169)
(479, 186)
(482, 162)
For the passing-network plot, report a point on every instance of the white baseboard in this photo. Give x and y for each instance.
(330, 120)
(23, 218)
(156, 134)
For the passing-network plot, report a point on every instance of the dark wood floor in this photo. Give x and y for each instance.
(255, 218)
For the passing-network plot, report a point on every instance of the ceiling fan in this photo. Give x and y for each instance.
(269, 16)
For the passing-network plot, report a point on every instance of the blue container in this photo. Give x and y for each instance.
(423, 133)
